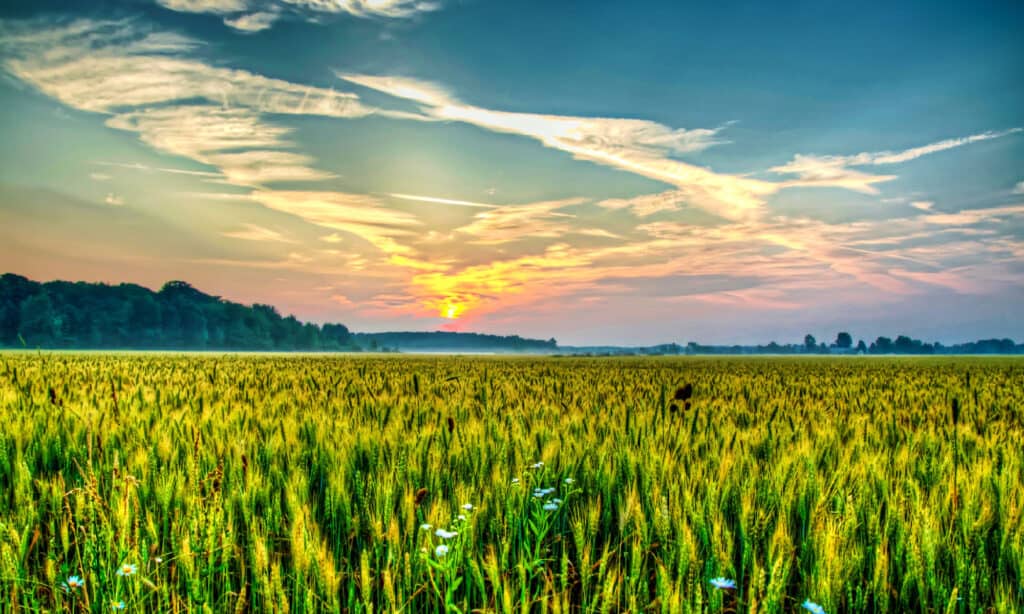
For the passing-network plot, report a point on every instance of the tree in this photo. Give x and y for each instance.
(335, 336)
(882, 345)
(810, 343)
(40, 327)
(14, 289)
(861, 348)
(844, 341)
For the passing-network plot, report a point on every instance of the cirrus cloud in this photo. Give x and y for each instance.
(258, 15)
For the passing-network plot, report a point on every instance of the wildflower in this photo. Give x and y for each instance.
(467, 506)
(569, 480)
(441, 550)
(117, 605)
(445, 534)
(461, 517)
(812, 607)
(127, 570)
(158, 560)
(559, 501)
(723, 583)
(537, 465)
(550, 506)
(515, 481)
(426, 526)
(73, 583)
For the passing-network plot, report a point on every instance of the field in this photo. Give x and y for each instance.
(166, 483)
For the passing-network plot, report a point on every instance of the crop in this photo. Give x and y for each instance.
(173, 483)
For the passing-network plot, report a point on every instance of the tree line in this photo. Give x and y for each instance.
(62, 314)
(81, 315)
(843, 344)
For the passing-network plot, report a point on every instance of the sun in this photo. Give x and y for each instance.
(452, 310)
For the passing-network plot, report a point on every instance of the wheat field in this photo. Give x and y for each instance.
(291, 483)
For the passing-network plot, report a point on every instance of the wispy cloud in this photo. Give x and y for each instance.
(114, 200)
(147, 83)
(515, 222)
(162, 169)
(835, 171)
(369, 8)
(830, 171)
(258, 15)
(1019, 188)
(781, 263)
(106, 66)
(647, 204)
(204, 6)
(253, 232)
(442, 201)
(969, 217)
(637, 146)
(888, 157)
(252, 22)
(362, 216)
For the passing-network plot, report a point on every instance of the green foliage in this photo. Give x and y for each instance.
(246, 483)
(62, 314)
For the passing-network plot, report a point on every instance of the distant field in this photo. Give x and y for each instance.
(306, 483)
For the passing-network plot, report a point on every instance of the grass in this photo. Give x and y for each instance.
(303, 484)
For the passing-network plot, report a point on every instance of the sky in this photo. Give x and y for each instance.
(597, 172)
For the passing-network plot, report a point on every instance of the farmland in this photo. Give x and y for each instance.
(171, 483)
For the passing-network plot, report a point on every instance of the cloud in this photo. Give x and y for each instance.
(647, 204)
(245, 149)
(99, 177)
(515, 222)
(114, 200)
(176, 171)
(888, 157)
(214, 115)
(1019, 188)
(108, 66)
(923, 205)
(258, 15)
(204, 6)
(835, 171)
(252, 22)
(969, 217)
(830, 171)
(424, 92)
(252, 232)
(778, 263)
(633, 145)
(598, 232)
(953, 279)
(442, 201)
(359, 215)
(369, 8)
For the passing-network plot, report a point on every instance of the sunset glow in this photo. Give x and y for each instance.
(664, 187)
(452, 311)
